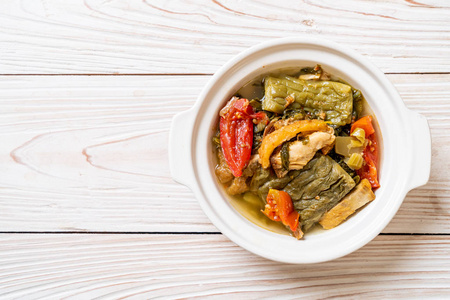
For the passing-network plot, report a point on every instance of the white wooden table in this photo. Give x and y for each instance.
(87, 92)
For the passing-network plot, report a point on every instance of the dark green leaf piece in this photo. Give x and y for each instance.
(276, 183)
(321, 184)
(285, 156)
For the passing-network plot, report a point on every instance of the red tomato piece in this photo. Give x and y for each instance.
(369, 170)
(236, 133)
(370, 154)
(279, 207)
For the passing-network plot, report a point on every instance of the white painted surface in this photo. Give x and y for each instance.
(183, 266)
(96, 36)
(89, 153)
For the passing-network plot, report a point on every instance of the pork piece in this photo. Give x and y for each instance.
(241, 184)
(298, 234)
(360, 196)
(238, 186)
(253, 164)
(319, 75)
(283, 122)
(301, 152)
(223, 173)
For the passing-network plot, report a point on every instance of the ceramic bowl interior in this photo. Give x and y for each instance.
(266, 70)
(393, 136)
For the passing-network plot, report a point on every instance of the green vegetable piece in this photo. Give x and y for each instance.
(358, 103)
(284, 153)
(355, 143)
(346, 168)
(359, 134)
(256, 104)
(335, 99)
(216, 139)
(276, 183)
(356, 161)
(357, 179)
(260, 177)
(320, 185)
(259, 127)
(345, 145)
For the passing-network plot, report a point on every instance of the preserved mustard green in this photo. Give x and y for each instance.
(319, 186)
(334, 99)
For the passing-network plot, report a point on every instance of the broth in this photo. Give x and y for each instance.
(250, 205)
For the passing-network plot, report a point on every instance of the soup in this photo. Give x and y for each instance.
(297, 148)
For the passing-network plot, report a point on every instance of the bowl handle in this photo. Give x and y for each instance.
(421, 159)
(180, 148)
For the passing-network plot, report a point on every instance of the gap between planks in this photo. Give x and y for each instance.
(193, 74)
(184, 233)
(125, 74)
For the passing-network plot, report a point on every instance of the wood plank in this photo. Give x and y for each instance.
(186, 266)
(429, 96)
(89, 153)
(112, 37)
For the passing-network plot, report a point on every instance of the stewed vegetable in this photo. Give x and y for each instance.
(333, 99)
(300, 144)
(236, 133)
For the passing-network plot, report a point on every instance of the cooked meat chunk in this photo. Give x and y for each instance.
(283, 122)
(241, 184)
(223, 173)
(238, 186)
(277, 123)
(298, 234)
(360, 196)
(301, 152)
(317, 73)
(253, 164)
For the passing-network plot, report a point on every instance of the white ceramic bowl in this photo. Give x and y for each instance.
(405, 149)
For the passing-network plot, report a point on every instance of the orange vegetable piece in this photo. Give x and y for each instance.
(366, 124)
(285, 133)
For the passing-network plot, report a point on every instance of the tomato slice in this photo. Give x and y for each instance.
(236, 133)
(279, 207)
(369, 170)
(370, 154)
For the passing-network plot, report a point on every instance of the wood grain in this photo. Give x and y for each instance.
(178, 37)
(89, 153)
(189, 266)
